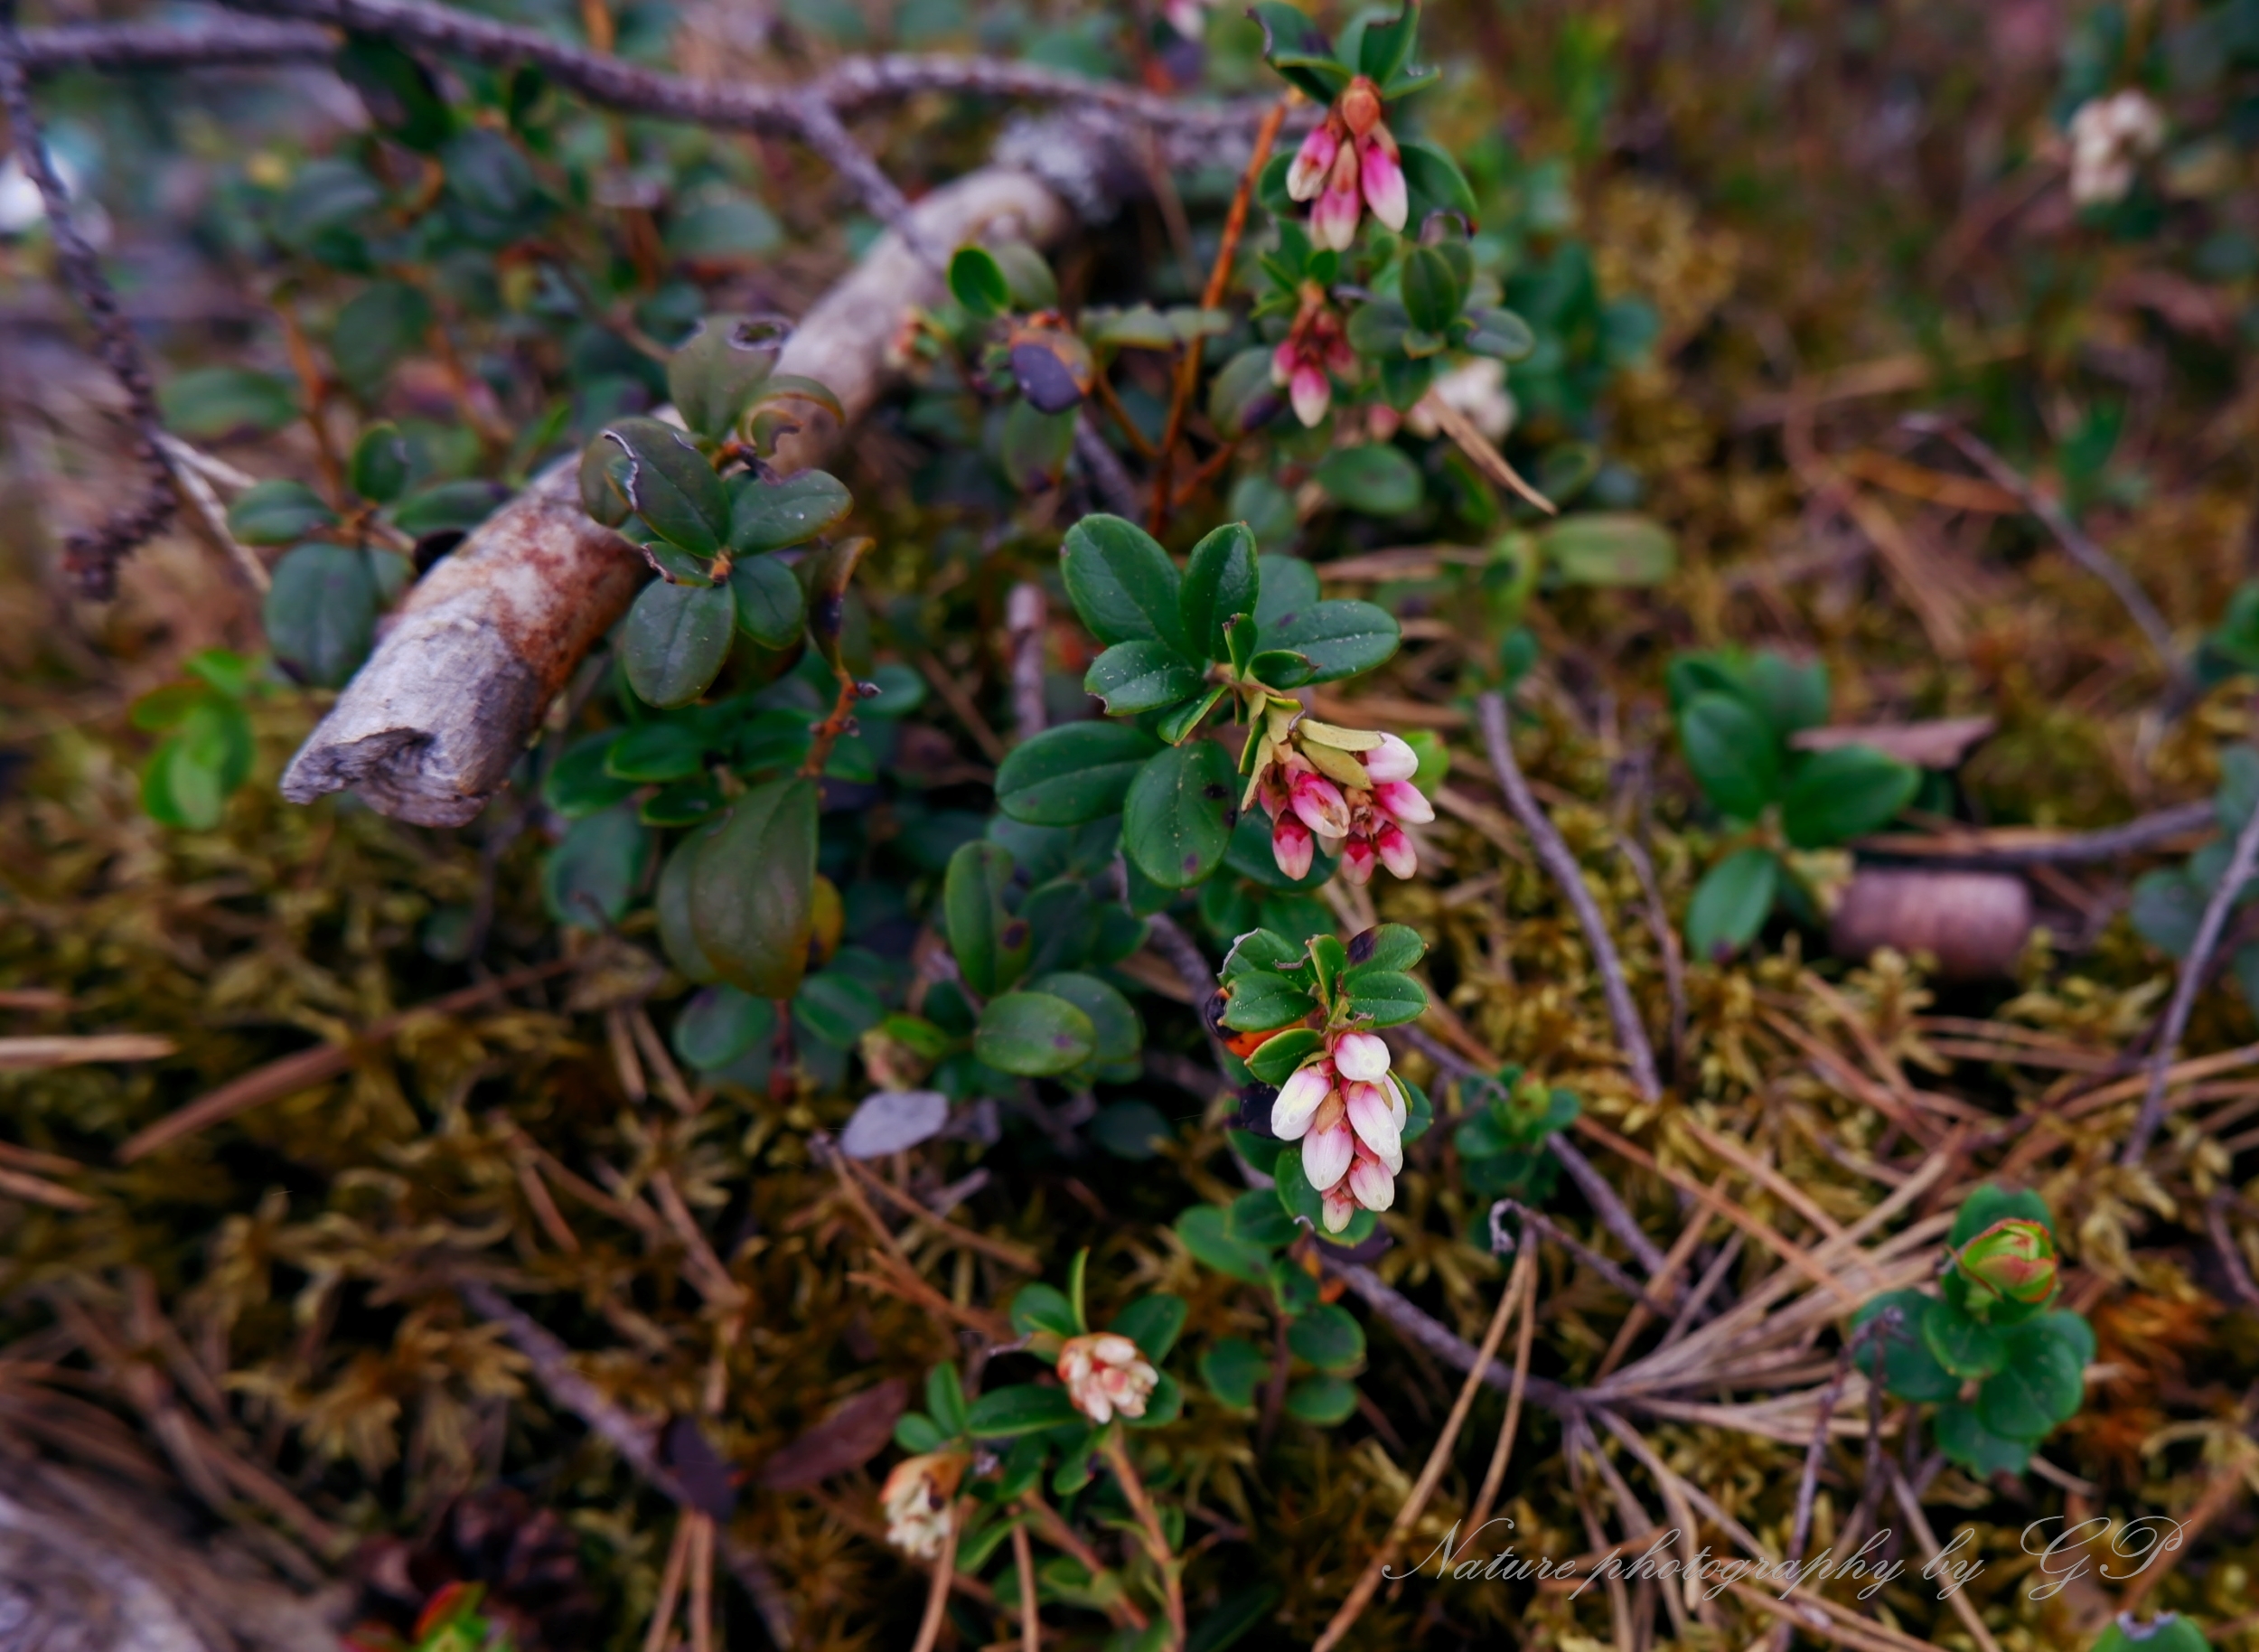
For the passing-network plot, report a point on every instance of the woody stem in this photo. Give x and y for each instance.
(1117, 1454)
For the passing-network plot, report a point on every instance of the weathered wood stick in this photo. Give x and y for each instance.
(430, 726)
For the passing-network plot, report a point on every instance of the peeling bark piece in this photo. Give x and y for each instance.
(1975, 923)
(430, 726)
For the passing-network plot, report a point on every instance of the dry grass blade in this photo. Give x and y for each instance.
(32, 1054)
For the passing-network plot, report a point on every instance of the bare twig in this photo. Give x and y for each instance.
(553, 1369)
(2067, 533)
(91, 555)
(1495, 1477)
(2194, 969)
(220, 43)
(1108, 474)
(2015, 849)
(1557, 860)
(1031, 1625)
(1116, 1452)
(944, 1569)
(2239, 1278)
(1418, 1326)
(1219, 283)
(1025, 613)
(1591, 1258)
(1438, 1458)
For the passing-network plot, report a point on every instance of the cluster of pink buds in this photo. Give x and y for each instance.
(1313, 349)
(1348, 1111)
(1347, 164)
(1348, 789)
(1105, 1374)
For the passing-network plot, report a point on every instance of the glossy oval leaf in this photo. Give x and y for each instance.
(1222, 582)
(672, 485)
(1731, 904)
(1336, 639)
(1837, 795)
(1118, 1031)
(752, 889)
(771, 605)
(1033, 1035)
(1607, 547)
(1735, 756)
(990, 945)
(1378, 479)
(321, 613)
(775, 515)
(1177, 815)
(1122, 583)
(677, 640)
(278, 511)
(1140, 676)
(1075, 773)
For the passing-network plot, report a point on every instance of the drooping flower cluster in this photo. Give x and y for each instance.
(1314, 348)
(1348, 1111)
(917, 1497)
(1104, 1374)
(1348, 789)
(1349, 162)
(2109, 136)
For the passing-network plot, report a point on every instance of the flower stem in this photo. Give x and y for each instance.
(1117, 1454)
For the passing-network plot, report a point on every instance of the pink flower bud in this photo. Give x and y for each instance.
(1361, 1057)
(1291, 846)
(1312, 394)
(1360, 107)
(1397, 1108)
(1298, 1100)
(1334, 218)
(1105, 1374)
(1284, 361)
(1392, 759)
(1375, 1123)
(1319, 803)
(1397, 852)
(1373, 1182)
(1327, 1149)
(1403, 799)
(916, 1498)
(1356, 860)
(1306, 176)
(1384, 179)
(1337, 1207)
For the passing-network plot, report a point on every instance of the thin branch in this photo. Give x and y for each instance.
(91, 555)
(1438, 1458)
(1025, 617)
(821, 130)
(944, 1572)
(1495, 1477)
(1453, 1350)
(2067, 533)
(224, 42)
(1219, 282)
(1584, 1252)
(1985, 854)
(1554, 854)
(553, 1369)
(1110, 478)
(2194, 969)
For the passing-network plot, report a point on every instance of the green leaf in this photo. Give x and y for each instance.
(1177, 814)
(1295, 46)
(1122, 583)
(1205, 1234)
(1038, 1308)
(1910, 1370)
(1387, 47)
(670, 904)
(915, 1432)
(1609, 549)
(1990, 1203)
(1793, 695)
(1964, 1346)
(719, 1024)
(1968, 1443)
(593, 874)
(1035, 446)
(1033, 1035)
(1075, 773)
(1385, 998)
(1731, 904)
(1141, 676)
(2041, 1383)
(1233, 1369)
(278, 511)
(448, 506)
(1236, 1614)
(1130, 1130)
(1338, 639)
(1004, 1414)
(379, 466)
(751, 892)
(978, 282)
(1119, 1032)
(321, 613)
(1734, 756)
(1847, 792)
(1431, 289)
(1028, 273)
(1322, 1400)
(397, 91)
(671, 749)
(825, 574)
(1260, 1000)
(991, 945)
(1389, 948)
(775, 515)
(1377, 478)
(1220, 583)
(383, 323)
(835, 1009)
(1275, 1060)
(1153, 1323)
(672, 485)
(1254, 1218)
(213, 403)
(1433, 181)
(677, 640)
(1500, 334)
(715, 222)
(1329, 1337)
(1177, 723)
(770, 607)
(945, 1399)
(714, 372)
